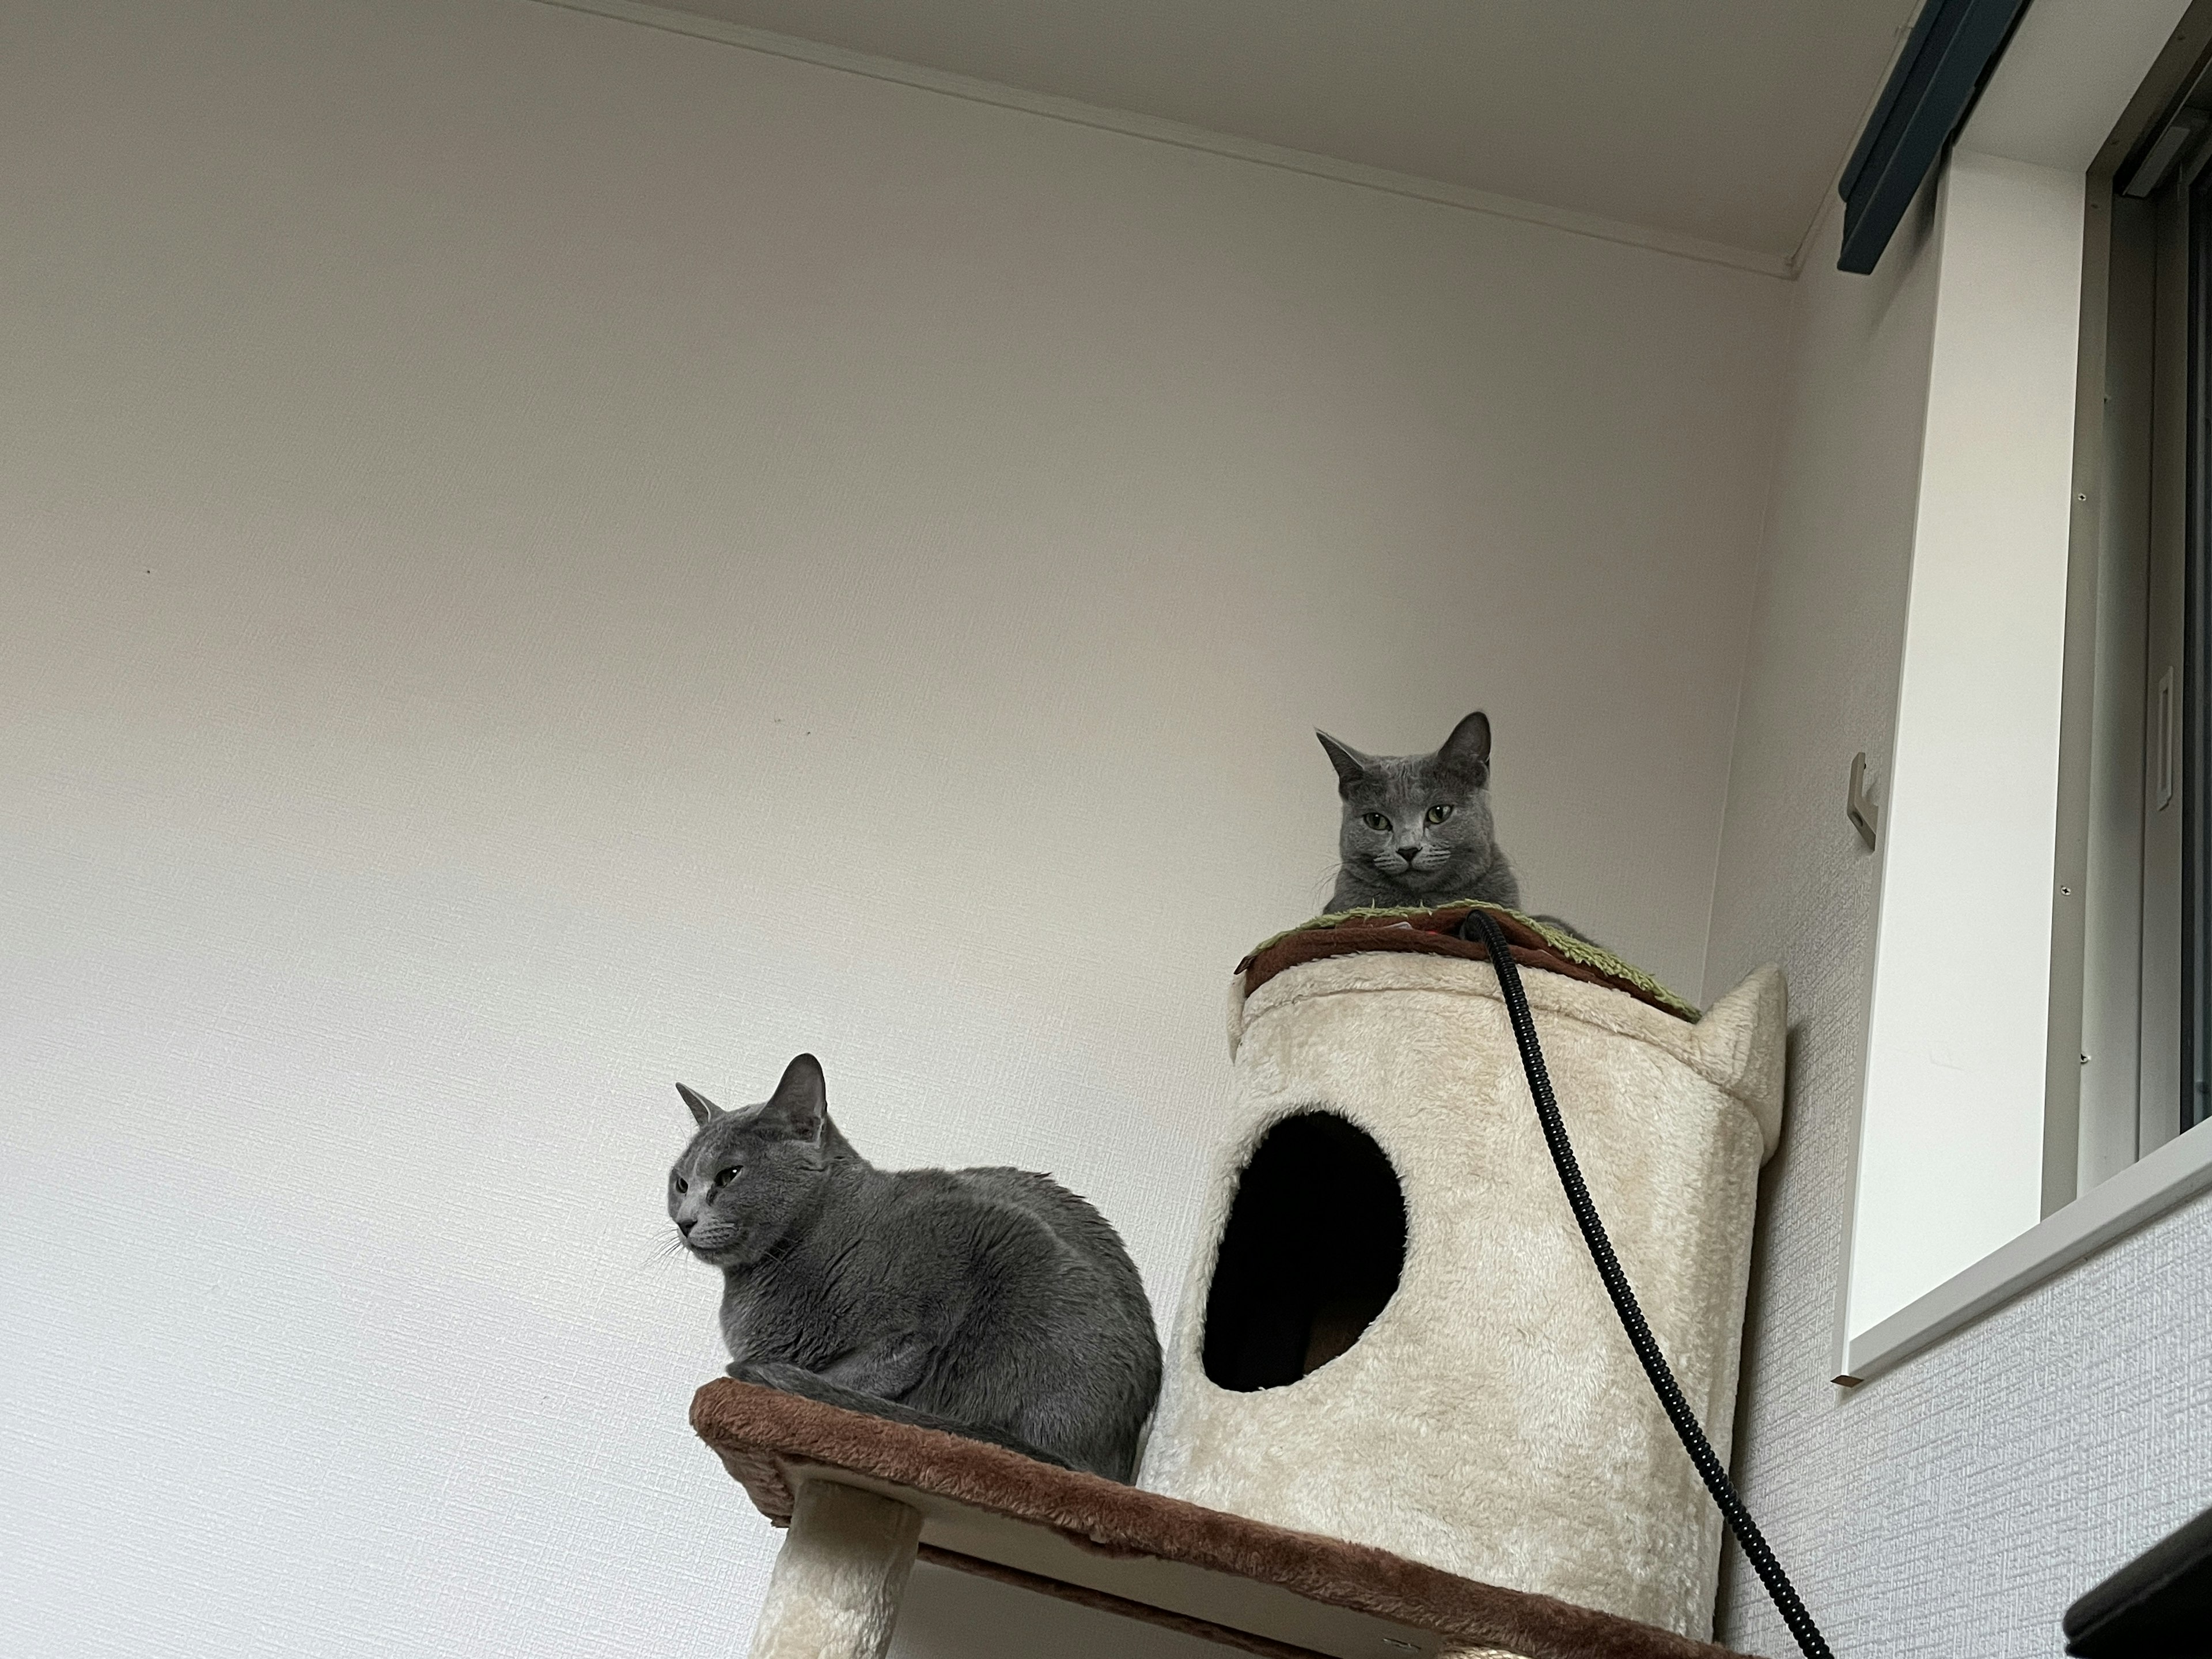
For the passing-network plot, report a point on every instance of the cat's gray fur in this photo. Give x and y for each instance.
(993, 1304)
(1408, 862)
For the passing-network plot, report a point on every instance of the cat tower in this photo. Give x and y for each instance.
(1399, 1417)
(1393, 1332)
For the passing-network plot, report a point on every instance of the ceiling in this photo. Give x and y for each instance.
(1725, 121)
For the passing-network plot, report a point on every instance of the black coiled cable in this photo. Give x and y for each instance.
(1778, 1587)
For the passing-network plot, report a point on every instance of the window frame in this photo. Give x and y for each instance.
(2195, 780)
(2131, 990)
(1944, 1110)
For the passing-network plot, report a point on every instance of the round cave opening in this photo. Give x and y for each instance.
(1312, 1252)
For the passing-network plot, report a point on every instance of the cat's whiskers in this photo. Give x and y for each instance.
(666, 1248)
(1324, 886)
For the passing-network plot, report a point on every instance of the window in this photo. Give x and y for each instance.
(2041, 1007)
(2142, 825)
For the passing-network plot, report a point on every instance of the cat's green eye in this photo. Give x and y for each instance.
(727, 1176)
(682, 1185)
(1375, 821)
(1440, 811)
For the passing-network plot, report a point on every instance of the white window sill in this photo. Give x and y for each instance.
(2148, 1188)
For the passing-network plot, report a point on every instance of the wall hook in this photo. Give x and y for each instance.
(1859, 804)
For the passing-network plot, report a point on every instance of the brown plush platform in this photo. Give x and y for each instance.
(1243, 1583)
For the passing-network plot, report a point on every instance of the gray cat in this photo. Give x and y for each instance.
(991, 1303)
(1417, 832)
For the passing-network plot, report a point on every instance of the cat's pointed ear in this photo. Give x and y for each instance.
(1351, 765)
(702, 1109)
(801, 1101)
(1466, 753)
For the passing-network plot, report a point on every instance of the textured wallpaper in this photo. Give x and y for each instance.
(1956, 1505)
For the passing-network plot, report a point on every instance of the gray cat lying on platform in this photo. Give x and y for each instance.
(991, 1303)
(1417, 832)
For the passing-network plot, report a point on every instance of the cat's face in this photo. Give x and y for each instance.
(1417, 822)
(749, 1174)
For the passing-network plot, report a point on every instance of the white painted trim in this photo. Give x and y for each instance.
(2174, 1173)
(1950, 1163)
(2066, 78)
(1181, 136)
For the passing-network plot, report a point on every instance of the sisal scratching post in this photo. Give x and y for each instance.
(1393, 1332)
(835, 1590)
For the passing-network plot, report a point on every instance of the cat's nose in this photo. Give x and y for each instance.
(1409, 854)
(685, 1226)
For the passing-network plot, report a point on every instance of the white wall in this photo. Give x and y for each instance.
(544, 557)
(1958, 1503)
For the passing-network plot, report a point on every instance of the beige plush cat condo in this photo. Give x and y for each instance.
(1392, 1331)
(1399, 1415)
